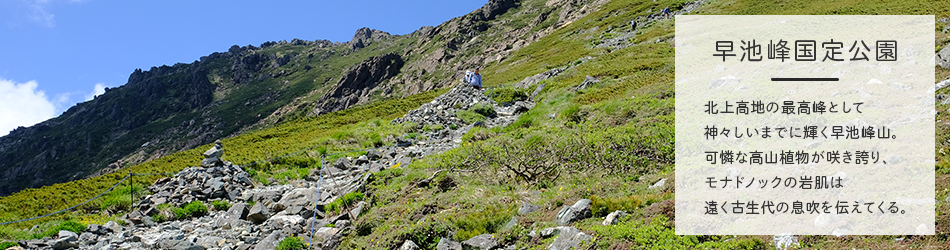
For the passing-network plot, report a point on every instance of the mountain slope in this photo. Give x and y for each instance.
(168, 109)
(602, 128)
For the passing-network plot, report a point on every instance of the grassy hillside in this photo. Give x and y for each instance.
(607, 142)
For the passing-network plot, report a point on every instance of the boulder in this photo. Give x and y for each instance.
(448, 244)
(658, 184)
(65, 240)
(178, 245)
(258, 213)
(483, 242)
(409, 245)
(110, 227)
(270, 242)
(292, 222)
(784, 241)
(614, 217)
(569, 238)
(362, 160)
(100, 230)
(232, 218)
(943, 57)
(579, 211)
(527, 208)
(373, 154)
(342, 164)
(325, 233)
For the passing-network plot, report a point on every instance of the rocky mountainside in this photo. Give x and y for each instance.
(569, 146)
(279, 211)
(168, 109)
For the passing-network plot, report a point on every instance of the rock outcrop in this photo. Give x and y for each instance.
(364, 36)
(579, 211)
(357, 84)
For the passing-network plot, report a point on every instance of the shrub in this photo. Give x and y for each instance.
(659, 234)
(180, 213)
(345, 201)
(158, 218)
(601, 206)
(221, 205)
(469, 116)
(507, 96)
(196, 208)
(291, 243)
(8, 244)
(487, 220)
(71, 226)
(484, 109)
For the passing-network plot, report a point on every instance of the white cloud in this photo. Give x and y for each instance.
(96, 90)
(22, 105)
(38, 13)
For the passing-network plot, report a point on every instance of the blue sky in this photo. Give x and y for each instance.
(56, 53)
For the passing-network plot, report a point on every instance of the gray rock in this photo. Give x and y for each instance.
(569, 238)
(484, 242)
(232, 218)
(614, 217)
(87, 238)
(579, 211)
(531, 80)
(552, 231)
(511, 223)
(527, 208)
(276, 207)
(409, 245)
(65, 240)
(111, 226)
(362, 160)
(358, 209)
(448, 244)
(943, 57)
(588, 81)
(258, 214)
(342, 164)
(270, 242)
(178, 245)
(536, 92)
(294, 223)
(213, 155)
(373, 154)
(324, 233)
(658, 184)
(208, 242)
(784, 241)
(942, 84)
(100, 230)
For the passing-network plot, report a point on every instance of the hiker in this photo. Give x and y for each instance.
(474, 79)
(666, 12)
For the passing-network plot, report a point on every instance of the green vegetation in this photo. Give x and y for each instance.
(221, 205)
(608, 142)
(8, 244)
(291, 243)
(658, 233)
(193, 209)
(506, 96)
(347, 201)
